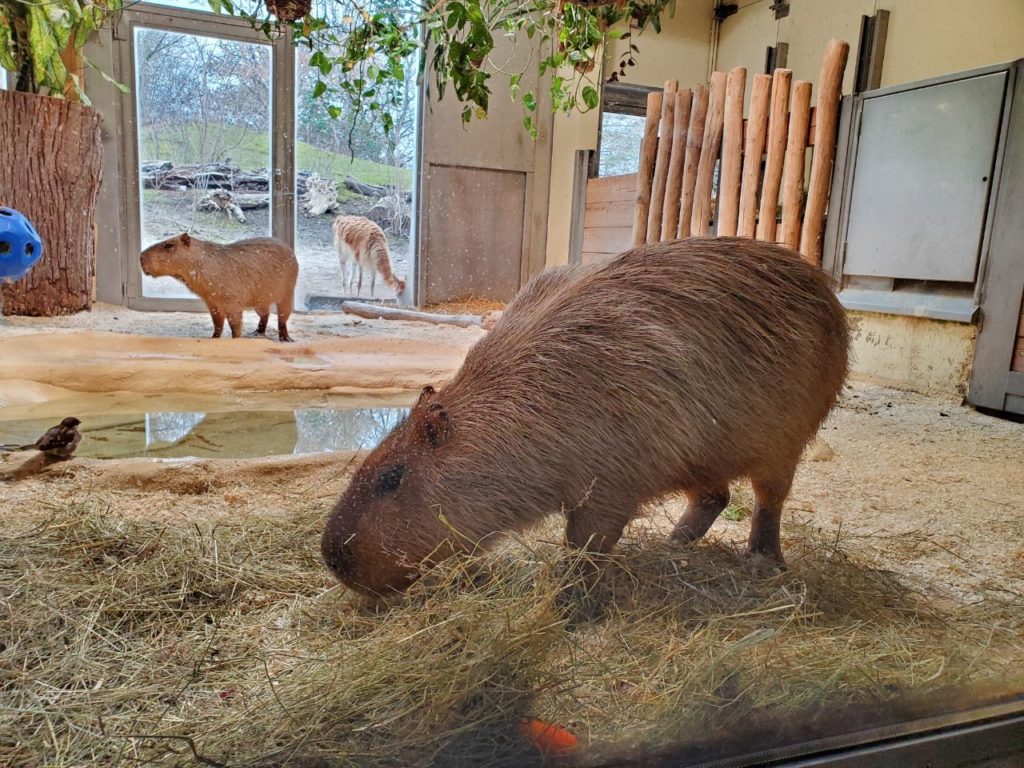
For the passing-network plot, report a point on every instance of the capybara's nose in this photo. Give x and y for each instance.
(337, 555)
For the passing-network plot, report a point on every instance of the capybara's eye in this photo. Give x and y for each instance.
(390, 479)
(168, 246)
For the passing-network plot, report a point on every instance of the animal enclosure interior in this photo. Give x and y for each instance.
(319, 449)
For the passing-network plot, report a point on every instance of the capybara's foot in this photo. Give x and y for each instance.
(704, 508)
(258, 334)
(765, 564)
(284, 337)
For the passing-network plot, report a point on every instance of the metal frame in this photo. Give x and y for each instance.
(1001, 279)
(282, 131)
(961, 307)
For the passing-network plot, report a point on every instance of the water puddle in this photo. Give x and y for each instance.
(226, 434)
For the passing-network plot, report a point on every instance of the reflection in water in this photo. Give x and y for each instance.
(321, 429)
(170, 427)
(239, 434)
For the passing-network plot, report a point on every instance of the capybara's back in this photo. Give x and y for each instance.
(674, 367)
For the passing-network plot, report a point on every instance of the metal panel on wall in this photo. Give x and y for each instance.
(483, 188)
(484, 251)
(922, 179)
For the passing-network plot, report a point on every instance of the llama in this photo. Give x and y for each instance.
(361, 244)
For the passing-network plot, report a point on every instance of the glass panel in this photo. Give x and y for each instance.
(621, 136)
(352, 150)
(204, 141)
(249, 6)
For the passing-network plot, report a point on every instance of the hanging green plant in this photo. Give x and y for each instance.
(372, 48)
(34, 35)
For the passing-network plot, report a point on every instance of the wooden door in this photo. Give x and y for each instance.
(482, 193)
(997, 377)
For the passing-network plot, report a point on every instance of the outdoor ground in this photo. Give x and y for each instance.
(155, 608)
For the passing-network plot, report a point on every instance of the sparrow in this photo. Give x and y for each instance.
(58, 442)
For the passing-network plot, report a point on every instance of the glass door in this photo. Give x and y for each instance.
(201, 111)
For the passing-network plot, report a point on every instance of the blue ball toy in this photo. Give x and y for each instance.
(20, 246)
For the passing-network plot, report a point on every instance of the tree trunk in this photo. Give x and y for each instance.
(51, 160)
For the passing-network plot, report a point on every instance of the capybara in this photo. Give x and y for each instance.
(679, 366)
(230, 278)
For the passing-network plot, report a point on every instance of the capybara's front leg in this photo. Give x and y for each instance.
(705, 505)
(594, 530)
(766, 523)
(218, 322)
(235, 321)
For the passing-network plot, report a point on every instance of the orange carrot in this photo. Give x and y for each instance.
(547, 737)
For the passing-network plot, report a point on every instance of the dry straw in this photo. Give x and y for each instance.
(128, 642)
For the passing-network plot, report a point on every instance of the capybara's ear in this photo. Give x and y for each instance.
(426, 392)
(186, 239)
(433, 425)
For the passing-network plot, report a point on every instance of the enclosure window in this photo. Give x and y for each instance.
(203, 106)
(623, 112)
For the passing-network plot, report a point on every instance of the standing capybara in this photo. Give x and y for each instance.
(674, 367)
(231, 278)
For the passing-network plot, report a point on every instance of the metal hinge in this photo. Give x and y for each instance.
(780, 8)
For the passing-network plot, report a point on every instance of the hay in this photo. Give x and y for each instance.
(129, 641)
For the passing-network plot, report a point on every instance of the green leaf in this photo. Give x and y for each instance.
(334, 111)
(319, 89)
(530, 101)
(215, 5)
(590, 97)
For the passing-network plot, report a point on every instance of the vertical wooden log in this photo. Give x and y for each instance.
(674, 187)
(645, 174)
(830, 90)
(51, 162)
(700, 224)
(777, 123)
(793, 175)
(661, 165)
(732, 154)
(694, 141)
(757, 130)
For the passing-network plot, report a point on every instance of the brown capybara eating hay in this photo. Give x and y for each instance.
(256, 273)
(676, 367)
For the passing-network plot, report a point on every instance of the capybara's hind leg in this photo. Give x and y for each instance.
(765, 525)
(235, 321)
(264, 313)
(218, 322)
(284, 311)
(705, 505)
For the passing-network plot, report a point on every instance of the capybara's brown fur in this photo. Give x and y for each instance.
(231, 278)
(675, 367)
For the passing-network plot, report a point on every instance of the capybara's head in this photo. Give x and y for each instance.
(168, 258)
(384, 527)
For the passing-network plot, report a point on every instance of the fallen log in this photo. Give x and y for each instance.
(377, 312)
(373, 190)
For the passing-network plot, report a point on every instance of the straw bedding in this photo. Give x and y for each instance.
(215, 636)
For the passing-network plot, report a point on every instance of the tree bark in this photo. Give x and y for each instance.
(51, 160)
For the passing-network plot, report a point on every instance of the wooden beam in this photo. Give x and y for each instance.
(700, 224)
(694, 141)
(645, 174)
(674, 188)
(661, 164)
(777, 124)
(830, 90)
(732, 154)
(756, 135)
(793, 175)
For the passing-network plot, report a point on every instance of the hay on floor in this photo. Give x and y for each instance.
(130, 641)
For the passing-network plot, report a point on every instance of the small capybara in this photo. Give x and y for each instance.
(679, 366)
(231, 278)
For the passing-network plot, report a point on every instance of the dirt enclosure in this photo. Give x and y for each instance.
(156, 611)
